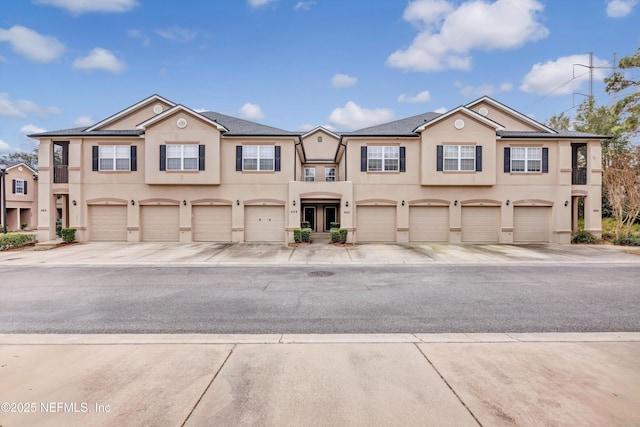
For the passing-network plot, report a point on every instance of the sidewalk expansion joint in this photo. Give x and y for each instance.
(449, 385)
(208, 386)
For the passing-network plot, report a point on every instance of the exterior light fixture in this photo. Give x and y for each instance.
(184, 203)
(508, 201)
(455, 203)
(74, 203)
(566, 203)
(294, 203)
(133, 203)
(237, 202)
(346, 204)
(403, 203)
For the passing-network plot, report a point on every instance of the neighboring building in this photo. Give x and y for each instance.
(159, 171)
(22, 196)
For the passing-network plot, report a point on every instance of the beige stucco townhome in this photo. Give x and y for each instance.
(21, 195)
(160, 171)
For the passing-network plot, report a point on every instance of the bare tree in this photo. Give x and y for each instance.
(622, 182)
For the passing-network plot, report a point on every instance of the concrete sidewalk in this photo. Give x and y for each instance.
(320, 380)
(212, 254)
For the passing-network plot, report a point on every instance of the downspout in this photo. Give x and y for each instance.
(295, 158)
(340, 143)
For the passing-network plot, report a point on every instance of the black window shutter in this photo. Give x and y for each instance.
(439, 157)
(363, 159)
(200, 157)
(545, 160)
(24, 183)
(478, 158)
(94, 155)
(276, 162)
(507, 159)
(163, 157)
(13, 185)
(403, 160)
(134, 157)
(238, 157)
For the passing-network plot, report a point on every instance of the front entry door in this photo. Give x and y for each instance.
(309, 215)
(330, 215)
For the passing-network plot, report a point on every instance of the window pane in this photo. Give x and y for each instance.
(190, 151)
(106, 151)
(267, 151)
(517, 153)
(191, 164)
(534, 166)
(517, 165)
(451, 164)
(375, 164)
(391, 165)
(535, 153)
(122, 151)
(391, 152)
(467, 164)
(174, 150)
(451, 151)
(330, 174)
(467, 151)
(106, 164)
(250, 164)
(122, 164)
(173, 164)
(374, 152)
(266, 164)
(249, 151)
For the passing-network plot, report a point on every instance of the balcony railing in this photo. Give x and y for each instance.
(61, 174)
(579, 176)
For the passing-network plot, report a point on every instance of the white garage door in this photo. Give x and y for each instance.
(211, 223)
(376, 224)
(429, 224)
(264, 224)
(531, 224)
(160, 223)
(108, 223)
(480, 224)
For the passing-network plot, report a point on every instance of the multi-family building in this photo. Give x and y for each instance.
(160, 171)
(21, 195)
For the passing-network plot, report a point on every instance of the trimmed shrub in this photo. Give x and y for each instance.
(68, 235)
(628, 241)
(8, 241)
(584, 237)
(297, 235)
(335, 235)
(59, 227)
(305, 224)
(343, 235)
(334, 225)
(306, 235)
(23, 226)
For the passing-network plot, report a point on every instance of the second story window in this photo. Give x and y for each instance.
(526, 159)
(459, 158)
(182, 157)
(309, 174)
(383, 159)
(330, 174)
(19, 186)
(114, 158)
(258, 157)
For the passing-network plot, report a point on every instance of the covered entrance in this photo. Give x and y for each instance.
(320, 214)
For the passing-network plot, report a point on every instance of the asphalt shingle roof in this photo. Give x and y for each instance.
(238, 126)
(560, 134)
(402, 127)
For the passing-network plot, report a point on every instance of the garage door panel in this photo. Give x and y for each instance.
(211, 223)
(376, 224)
(480, 224)
(108, 223)
(264, 224)
(531, 224)
(160, 223)
(429, 224)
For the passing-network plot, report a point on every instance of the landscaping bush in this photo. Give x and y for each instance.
(584, 237)
(334, 225)
(306, 235)
(628, 241)
(297, 235)
(305, 224)
(23, 226)
(334, 234)
(8, 241)
(343, 235)
(68, 235)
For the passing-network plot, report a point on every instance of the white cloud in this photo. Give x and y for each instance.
(448, 34)
(483, 89)
(31, 44)
(423, 96)
(177, 34)
(78, 7)
(139, 35)
(620, 8)
(84, 121)
(343, 80)
(257, 3)
(29, 129)
(306, 127)
(304, 5)
(353, 116)
(251, 111)
(556, 78)
(4, 147)
(440, 110)
(100, 59)
(21, 108)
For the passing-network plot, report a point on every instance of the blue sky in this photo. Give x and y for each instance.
(345, 64)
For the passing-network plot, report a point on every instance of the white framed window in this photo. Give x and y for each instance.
(526, 159)
(309, 174)
(258, 158)
(459, 157)
(114, 158)
(383, 159)
(182, 157)
(20, 186)
(330, 174)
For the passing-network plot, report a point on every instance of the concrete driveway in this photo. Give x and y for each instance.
(101, 253)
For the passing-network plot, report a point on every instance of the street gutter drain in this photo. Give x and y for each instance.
(321, 273)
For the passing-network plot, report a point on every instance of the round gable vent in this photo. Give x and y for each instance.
(182, 123)
(484, 111)
(157, 108)
(459, 124)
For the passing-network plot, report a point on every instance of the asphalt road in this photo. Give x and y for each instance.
(324, 299)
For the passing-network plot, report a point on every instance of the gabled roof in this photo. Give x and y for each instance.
(559, 134)
(175, 109)
(146, 101)
(402, 127)
(13, 163)
(512, 112)
(240, 127)
(320, 128)
(83, 132)
(460, 109)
